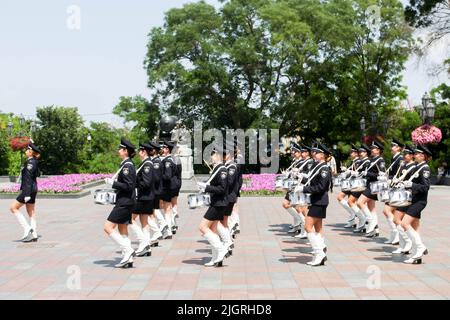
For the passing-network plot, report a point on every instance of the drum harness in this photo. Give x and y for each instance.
(415, 175)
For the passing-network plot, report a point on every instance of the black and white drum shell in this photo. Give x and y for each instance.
(358, 184)
(300, 199)
(337, 181)
(289, 184)
(105, 196)
(378, 186)
(400, 198)
(383, 196)
(199, 200)
(279, 183)
(346, 185)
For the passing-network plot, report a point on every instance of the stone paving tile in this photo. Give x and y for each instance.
(267, 263)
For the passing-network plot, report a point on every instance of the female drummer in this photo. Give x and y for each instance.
(354, 156)
(297, 160)
(145, 198)
(405, 173)
(178, 174)
(304, 167)
(233, 189)
(29, 188)
(362, 165)
(419, 183)
(233, 220)
(217, 187)
(394, 168)
(367, 200)
(120, 216)
(317, 184)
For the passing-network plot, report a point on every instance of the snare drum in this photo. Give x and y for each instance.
(279, 183)
(383, 196)
(358, 184)
(289, 184)
(400, 198)
(105, 196)
(346, 185)
(378, 186)
(199, 200)
(300, 199)
(337, 181)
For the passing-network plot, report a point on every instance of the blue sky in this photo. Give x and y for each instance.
(43, 62)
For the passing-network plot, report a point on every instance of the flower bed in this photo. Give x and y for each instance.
(426, 134)
(69, 183)
(259, 184)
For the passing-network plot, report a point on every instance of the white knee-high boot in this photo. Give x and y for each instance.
(407, 243)
(419, 248)
(393, 237)
(23, 223)
(215, 242)
(224, 235)
(137, 230)
(125, 245)
(347, 208)
(361, 217)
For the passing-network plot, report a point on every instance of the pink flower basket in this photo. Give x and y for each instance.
(427, 134)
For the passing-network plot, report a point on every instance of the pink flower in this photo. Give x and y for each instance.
(426, 134)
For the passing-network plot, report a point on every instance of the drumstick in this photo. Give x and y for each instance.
(207, 164)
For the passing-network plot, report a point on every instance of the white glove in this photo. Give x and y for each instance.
(27, 199)
(382, 178)
(400, 185)
(354, 173)
(109, 181)
(201, 186)
(299, 176)
(343, 168)
(407, 184)
(395, 180)
(389, 182)
(365, 172)
(299, 188)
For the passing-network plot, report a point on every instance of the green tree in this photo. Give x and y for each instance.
(60, 136)
(142, 114)
(441, 99)
(275, 63)
(100, 153)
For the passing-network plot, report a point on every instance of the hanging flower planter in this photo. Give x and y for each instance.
(427, 134)
(19, 143)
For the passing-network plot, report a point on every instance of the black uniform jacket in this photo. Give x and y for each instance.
(421, 182)
(218, 186)
(319, 184)
(145, 182)
(169, 174)
(376, 166)
(126, 184)
(157, 166)
(395, 165)
(233, 182)
(29, 174)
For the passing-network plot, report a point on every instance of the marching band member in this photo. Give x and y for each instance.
(366, 201)
(364, 164)
(233, 220)
(174, 201)
(169, 182)
(304, 167)
(397, 158)
(233, 189)
(343, 194)
(145, 198)
(406, 171)
(317, 184)
(419, 183)
(217, 187)
(156, 218)
(297, 159)
(29, 188)
(120, 216)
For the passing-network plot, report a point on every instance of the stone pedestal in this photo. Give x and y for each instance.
(187, 161)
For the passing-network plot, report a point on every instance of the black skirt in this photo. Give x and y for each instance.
(167, 195)
(347, 192)
(21, 198)
(317, 211)
(229, 209)
(121, 214)
(286, 197)
(415, 210)
(143, 207)
(215, 213)
(369, 194)
(355, 194)
(401, 209)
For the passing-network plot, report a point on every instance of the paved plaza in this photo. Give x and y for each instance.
(74, 258)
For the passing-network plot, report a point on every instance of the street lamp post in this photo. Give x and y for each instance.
(89, 139)
(427, 109)
(10, 127)
(362, 125)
